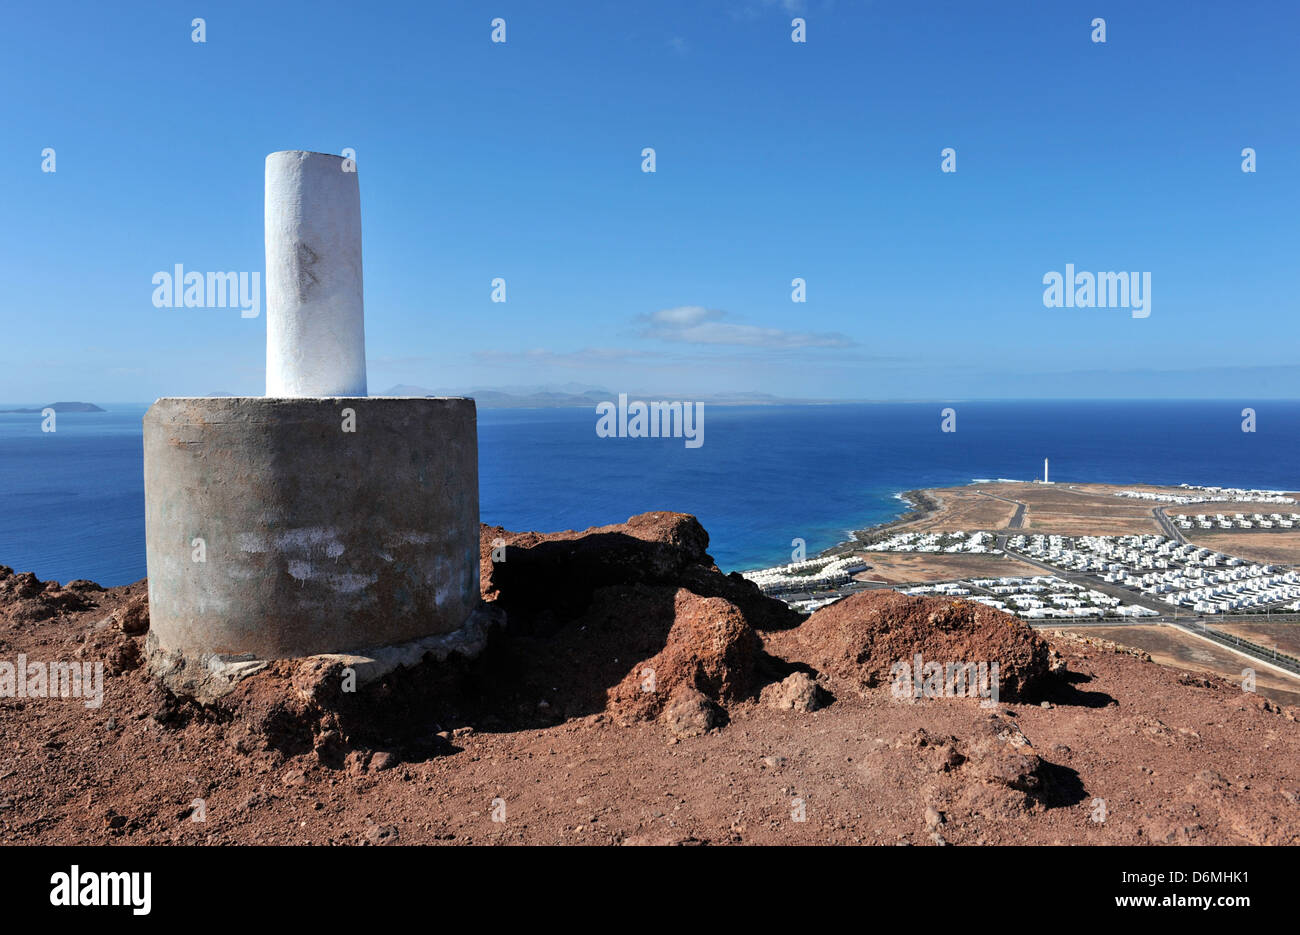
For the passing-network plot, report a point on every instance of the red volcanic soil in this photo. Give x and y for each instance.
(636, 695)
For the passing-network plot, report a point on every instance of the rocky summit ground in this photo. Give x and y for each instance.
(636, 695)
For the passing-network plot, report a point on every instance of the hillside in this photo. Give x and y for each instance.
(636, 695)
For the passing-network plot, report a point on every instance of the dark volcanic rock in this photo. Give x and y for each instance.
(24, 598)
(690, 713)
(798, 692)
(133, 619)
(544, 578)
(861, 637)
(710, 648)
(292, 756)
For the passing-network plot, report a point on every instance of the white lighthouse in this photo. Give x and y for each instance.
(1045, 480)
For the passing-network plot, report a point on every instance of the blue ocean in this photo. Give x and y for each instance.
(72, 501)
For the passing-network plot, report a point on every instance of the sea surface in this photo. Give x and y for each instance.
(72, 501)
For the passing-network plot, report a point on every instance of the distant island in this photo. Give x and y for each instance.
(61, 407)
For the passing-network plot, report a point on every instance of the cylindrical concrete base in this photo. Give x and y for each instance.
(280, 528)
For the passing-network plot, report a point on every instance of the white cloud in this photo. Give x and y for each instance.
(694, 324)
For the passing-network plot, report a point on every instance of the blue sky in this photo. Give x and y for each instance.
(775, 160)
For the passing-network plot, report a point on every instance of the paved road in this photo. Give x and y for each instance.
(1166, 524)
(1088, 580)
(1282, 662)
(1192, 626)
(1018, 518)
(1162, 521)
(1192, 623)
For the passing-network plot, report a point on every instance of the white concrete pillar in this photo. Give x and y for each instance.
(315, 319)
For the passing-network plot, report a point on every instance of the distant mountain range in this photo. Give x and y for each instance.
(61, 407)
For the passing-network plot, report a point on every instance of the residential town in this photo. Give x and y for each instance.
(1181, 575)
(1237, 521)
(1037, 598)
(1210, 495)
(808, 575)
(973, 543)
(1139, 576)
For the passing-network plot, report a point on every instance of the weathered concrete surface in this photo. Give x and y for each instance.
(314, 539)
(315, 320)
(205, 677)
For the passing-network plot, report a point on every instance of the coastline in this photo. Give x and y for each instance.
(919, 506)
